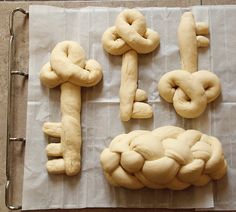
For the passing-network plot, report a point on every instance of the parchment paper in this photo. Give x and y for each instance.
(100, 108)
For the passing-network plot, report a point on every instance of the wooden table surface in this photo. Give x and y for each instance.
(20, 86)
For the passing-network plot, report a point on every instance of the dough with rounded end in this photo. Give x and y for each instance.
(128, 37)
(188, 89)
(167, 157)
(69, 69)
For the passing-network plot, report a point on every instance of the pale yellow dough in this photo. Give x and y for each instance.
(129, 37)
(167, 157)
(69, 69)
(188, 89)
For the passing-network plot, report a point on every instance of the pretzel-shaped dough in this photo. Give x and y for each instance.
(188, 90)
(128, 37)
(69, 69)
(167, 157)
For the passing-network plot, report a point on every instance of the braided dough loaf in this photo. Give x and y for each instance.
(167, 157)
(187, 89)
(128, 37)
(69, 69)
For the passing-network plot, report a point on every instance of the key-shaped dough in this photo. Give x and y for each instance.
(167, 157)
(69, 69)
(129, 37)
(188, 89)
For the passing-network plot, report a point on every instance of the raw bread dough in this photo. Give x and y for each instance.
(188, 89)
(167, 157)
(128, 37)
(69, 69)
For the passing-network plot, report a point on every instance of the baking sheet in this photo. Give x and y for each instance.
(100, 107)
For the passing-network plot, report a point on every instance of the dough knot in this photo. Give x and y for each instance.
(130, 32)
(189, 92)
(68, 64)
(167, 157)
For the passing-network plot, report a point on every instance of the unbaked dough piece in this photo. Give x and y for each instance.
(131, 97)
(129, 37)
(69, 69)
(188, 89)
(167, 157)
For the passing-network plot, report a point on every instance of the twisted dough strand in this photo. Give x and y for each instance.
(167, 157)
(69, 69)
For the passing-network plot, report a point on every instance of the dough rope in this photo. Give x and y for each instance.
(129, 37)
(188, 89)
(69, 69)
(167, 157)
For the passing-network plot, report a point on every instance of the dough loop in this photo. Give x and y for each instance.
(167, 157)
(68, 64)
(130, 32)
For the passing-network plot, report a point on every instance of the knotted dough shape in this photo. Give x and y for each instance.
(69, 69)
(130, 32)
(167, 157)
(129, 37)
(187, 89)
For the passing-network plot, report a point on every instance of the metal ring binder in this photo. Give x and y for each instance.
(9, 139)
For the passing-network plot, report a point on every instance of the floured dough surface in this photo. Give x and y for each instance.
(167, 157)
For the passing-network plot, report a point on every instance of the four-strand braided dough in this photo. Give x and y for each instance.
(69, 69)
(167, 157)
(188, 89)
(128, 37)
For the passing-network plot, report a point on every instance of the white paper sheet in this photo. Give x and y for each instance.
(100, 108)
